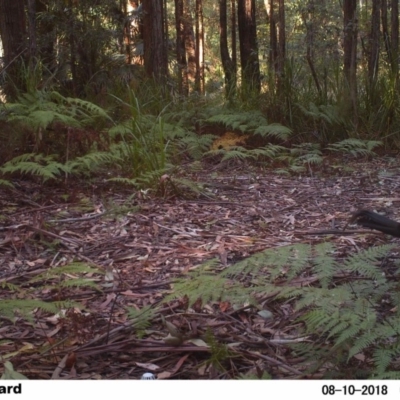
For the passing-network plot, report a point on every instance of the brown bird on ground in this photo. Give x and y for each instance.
(370, 219)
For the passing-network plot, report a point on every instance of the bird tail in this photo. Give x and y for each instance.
(369, 219)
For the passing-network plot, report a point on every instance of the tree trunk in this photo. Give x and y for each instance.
(248, 47)
(190, 46)
(350, 53)
(395, 37)
(126, 33)
(227, 64)
(183, 84)
(14, 39)
(273, 38)
(309, 23)
(233, 38)
(373, 61)
(155, 52)
(281, 46)
(199, 82)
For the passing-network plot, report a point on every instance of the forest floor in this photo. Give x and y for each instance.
(142, 243)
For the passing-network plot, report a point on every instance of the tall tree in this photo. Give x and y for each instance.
(199, 82)
(227, 64)
(183, 83)
(350, 53)
(281, 44)
(248, 46)
(233, 36)
(309, 23)
(190, 45)
(273, 36)
(155, 50)
(373, 61)
(14, 39)
(395, 37)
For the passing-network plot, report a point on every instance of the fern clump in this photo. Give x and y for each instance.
(353, 304)
(58, 279)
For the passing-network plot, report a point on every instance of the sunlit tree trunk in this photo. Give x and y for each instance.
(199, 82)
(190, 45)
(126, 34)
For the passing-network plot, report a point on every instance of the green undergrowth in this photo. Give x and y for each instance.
(70, 137)
(344, 311)
(22, 300)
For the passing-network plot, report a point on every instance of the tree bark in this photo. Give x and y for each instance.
(199, 81)
(395, 37)
(309, 23)
(227, 64)
(14, 40)
(155, 51)
(190, 46)
(350, 53)
(373, 61)
(281, 46)
(183, 84)
(248, 46)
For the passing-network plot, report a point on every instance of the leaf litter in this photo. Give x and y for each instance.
(117, 325)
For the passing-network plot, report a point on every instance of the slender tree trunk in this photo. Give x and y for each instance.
(273, 37)
(395, 38)
(373, 61)
(281, 46)
(350, 53)
(126, 33)
(309, 23)
(183, 84)
(72, 47)
(190, 46)
(248, 46)
(199, 82)
(233, 38)
(227, 64)
(385, 30)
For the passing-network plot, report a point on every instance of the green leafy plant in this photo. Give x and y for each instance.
(345, 317)
(355, 147)
(61, 278)
(250, 122)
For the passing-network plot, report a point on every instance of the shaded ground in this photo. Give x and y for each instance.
(141, 244)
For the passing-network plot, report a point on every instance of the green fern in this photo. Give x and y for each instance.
(343, 312)
(328, 114)
(44, 167)
(355, 147)
(250, 122)
(141, 319)
(10, 309)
